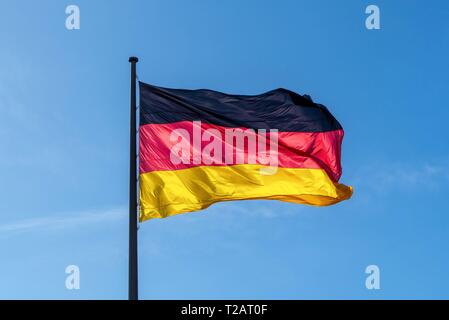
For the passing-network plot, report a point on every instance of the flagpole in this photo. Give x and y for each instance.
(132, 268)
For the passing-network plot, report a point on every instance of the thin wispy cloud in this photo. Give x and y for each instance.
(68, 221)
(384, 176)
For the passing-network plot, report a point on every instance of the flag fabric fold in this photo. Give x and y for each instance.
(199, 147)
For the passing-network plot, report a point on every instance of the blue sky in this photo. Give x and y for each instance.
(64, 99)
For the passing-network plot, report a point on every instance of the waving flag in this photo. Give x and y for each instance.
(198, 147)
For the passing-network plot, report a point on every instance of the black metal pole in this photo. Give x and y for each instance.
(133, 278)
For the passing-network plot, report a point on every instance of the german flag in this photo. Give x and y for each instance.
(198, 147)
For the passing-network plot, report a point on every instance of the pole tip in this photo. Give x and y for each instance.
(133, 59)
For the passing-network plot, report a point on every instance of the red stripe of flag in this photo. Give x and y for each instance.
(311, 150)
